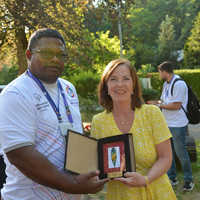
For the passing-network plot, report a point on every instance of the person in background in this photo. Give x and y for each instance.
(2, 166)
(2, 171)
(36, 110)
(177, 121)
(120, 94)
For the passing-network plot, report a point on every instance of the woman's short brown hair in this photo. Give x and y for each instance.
(104, 99)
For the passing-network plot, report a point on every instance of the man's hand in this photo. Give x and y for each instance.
(89, 183)
(37, 167)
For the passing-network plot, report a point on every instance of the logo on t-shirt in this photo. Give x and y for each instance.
(37, 96)
(69, 91)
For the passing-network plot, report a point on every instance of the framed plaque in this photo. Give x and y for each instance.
(112, 156)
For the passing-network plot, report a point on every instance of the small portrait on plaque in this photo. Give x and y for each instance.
(114, 158)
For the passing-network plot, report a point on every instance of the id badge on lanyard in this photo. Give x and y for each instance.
(64, 127)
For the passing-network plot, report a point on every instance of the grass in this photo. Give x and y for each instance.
(193, 195)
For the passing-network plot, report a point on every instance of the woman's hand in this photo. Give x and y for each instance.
(132, 179)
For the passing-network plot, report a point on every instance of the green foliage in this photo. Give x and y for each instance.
(18, 19)
(7, 74)
(104, 50)
(192, 46)
(146, 17)
(103, 16)
(191, 76)
(95, 21)
(89, 107)
(140, 53)
(145, 70)
(150, 94)
(85, 83)
(91, 30)
(166, 41)
(156, 82)
(100, 50)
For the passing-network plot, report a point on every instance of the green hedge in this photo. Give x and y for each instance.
(191, 76)
(85, 83)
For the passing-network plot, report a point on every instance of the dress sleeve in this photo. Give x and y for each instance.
(160, 129)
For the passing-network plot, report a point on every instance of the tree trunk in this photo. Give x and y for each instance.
(120, 28)
(21, 44)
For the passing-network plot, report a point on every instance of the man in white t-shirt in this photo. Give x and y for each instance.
(36, 110)
(171, 105)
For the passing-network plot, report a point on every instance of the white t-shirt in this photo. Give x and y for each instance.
(175, 118)
(28, 118)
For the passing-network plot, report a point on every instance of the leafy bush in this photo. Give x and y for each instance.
(99, 49)
(156, 82)
(104, 50)
(145, 70)
(85, 83)
(89, 107)
(7, 74)
(150, 94)
(192, 46)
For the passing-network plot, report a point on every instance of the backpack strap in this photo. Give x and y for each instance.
(172, 88)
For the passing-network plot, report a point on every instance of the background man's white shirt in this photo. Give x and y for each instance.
(175, 118)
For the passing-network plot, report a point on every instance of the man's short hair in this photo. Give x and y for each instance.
(43, 33)
(166, 66)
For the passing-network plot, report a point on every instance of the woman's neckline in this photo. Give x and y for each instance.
(132, 124)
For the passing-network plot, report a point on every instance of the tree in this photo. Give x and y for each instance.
(184, 13)
(147, 15)
(145, 18)
(192, 46)
(16, 15)
(166, 41)
(19, 19)
(110, 15)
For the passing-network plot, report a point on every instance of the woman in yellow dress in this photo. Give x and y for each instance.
(125, 112)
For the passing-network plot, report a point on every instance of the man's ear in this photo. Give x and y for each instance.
(28, 54)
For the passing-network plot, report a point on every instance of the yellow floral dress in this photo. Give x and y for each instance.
(149, 128)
